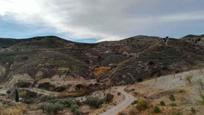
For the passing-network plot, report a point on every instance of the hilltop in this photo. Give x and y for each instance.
(118, 62)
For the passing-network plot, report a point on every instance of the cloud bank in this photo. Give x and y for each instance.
(108, 19)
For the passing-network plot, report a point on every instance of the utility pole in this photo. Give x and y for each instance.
(16, 95)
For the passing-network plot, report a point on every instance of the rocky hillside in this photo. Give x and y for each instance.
(118, 62)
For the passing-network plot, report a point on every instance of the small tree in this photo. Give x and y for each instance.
(157, 109)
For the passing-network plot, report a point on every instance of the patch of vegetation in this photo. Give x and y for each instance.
(189, 79)
(67, 102)
(132, 111)
(95, 102)
(23, 93)
(142, 105)
(172, 98)
(162, 103)
(13, 110)
(75, 109)
(52, 108)
(55, 105)
(7, 57)
(202, 99)
(51, 99)
(109, 98)
(22, 84)
(201, 84)
(101, 70)
(140, 80)
(121, 113)
(173, 104)
(157, 109)
(176, 113)
(193, 111)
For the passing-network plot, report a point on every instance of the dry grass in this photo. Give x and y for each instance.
(101, 70)
(71, 94)
(189, 78)
(13, 110)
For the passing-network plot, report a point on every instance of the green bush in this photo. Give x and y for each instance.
(51, 99)
(67, 102)
(75, 109)
(157, 109)
(95, 102)
(52, 108)
(54, 105)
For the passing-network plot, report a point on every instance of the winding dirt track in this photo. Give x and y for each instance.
(122, 105)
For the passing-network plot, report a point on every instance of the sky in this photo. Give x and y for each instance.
(100, 20)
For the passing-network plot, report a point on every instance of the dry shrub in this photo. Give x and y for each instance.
(121, 113)
(189, 78)
(142, 105)
(13, 110)
(101, 70)
(132, 111)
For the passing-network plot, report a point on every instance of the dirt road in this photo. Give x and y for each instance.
(128, 99)
(165, 83)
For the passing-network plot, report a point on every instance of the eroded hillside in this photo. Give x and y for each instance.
(119, 62)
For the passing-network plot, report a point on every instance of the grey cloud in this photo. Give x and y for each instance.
(116, 19)
(125, 18)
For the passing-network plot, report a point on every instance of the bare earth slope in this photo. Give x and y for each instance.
(186, 88)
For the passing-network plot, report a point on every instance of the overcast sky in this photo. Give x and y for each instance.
(98, 20)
